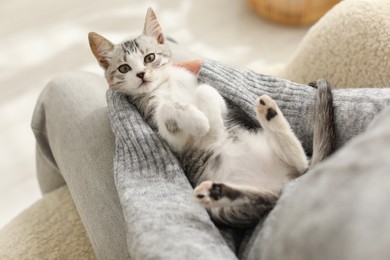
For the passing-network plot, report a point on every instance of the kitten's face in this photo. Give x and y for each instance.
(137, 66)
(134, 66)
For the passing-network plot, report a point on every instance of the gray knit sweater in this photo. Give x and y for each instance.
(163, 222)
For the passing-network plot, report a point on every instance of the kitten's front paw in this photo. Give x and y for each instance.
(208, 193)
(266, 107)
(192, 120)
(201, 126)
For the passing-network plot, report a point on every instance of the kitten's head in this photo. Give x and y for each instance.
(134, 66)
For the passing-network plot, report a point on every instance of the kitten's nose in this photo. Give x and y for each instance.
(141, 75)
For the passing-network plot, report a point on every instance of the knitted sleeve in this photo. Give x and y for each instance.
(354, 108)
(162, 219)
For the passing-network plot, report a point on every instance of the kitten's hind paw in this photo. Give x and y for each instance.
(210, 194)
(202, 193)
(266, 108)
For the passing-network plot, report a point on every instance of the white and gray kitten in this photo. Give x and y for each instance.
(237, 173)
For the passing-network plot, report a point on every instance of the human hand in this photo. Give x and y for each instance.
(192, 65)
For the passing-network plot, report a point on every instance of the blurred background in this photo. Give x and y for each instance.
(43, 38)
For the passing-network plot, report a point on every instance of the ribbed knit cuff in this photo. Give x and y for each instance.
(162, 219)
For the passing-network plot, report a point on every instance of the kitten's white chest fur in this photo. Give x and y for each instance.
(193, 112)
(250, 160)
(179, 87)
(247, 160)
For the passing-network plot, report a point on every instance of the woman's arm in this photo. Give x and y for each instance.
(354, 108)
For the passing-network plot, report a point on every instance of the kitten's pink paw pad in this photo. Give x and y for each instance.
(202, 193)
(266, 107)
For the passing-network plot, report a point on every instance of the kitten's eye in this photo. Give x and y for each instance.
(124, 68)
(149, 58)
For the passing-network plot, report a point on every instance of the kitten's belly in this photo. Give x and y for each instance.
(251, 162)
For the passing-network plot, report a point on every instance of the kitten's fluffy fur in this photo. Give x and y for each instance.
(238, 173)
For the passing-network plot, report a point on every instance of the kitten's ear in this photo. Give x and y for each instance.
(100, 46)
(152, 27)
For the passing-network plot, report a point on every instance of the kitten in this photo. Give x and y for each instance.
(238, 173)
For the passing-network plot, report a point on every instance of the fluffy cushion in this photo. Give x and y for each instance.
(49, 229)
(349, 47)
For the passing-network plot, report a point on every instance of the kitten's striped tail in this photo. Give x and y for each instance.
(324, 133)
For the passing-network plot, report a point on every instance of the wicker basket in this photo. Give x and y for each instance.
(292, 12)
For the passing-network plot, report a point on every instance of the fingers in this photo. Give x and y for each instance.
(193, 65)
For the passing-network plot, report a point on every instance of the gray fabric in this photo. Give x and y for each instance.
(75, 146)
(354, 108)
(339, 210)
(161, 219)
(163, 222)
